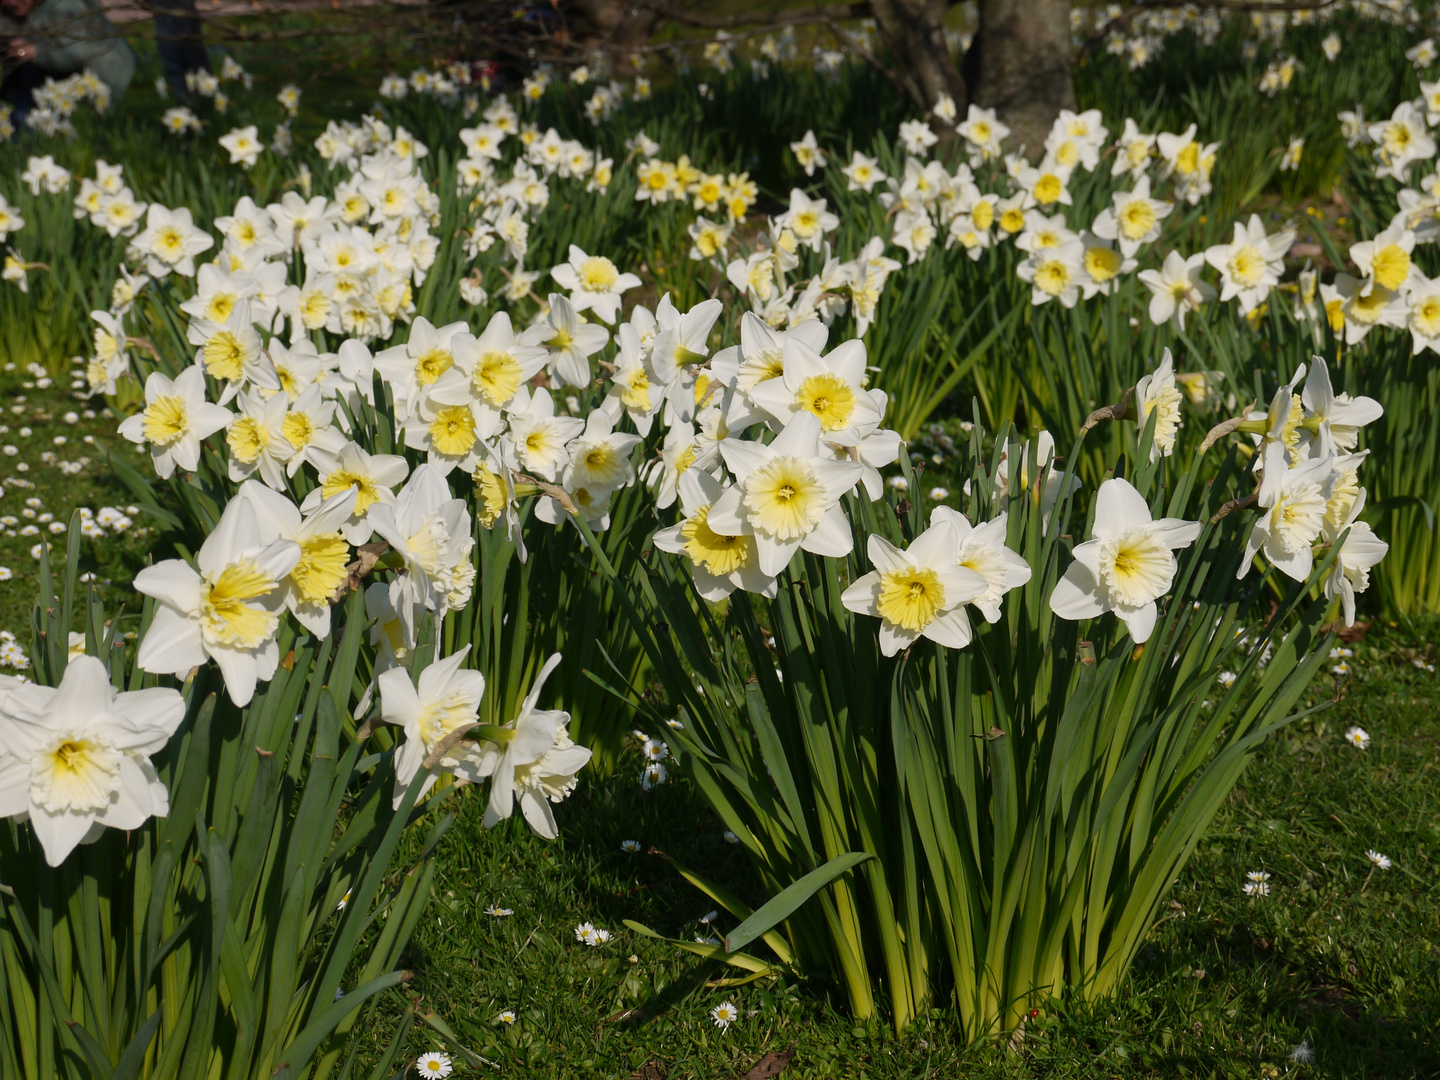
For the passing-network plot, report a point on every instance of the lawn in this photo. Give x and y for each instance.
(1334, 973)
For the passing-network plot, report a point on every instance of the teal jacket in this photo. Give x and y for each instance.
(72, 35)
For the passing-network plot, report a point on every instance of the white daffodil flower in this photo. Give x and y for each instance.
(600, 456)
(224, 607)
(787, 494)
(918, 592)
(721, 564)
(1423, 313)
(1127, 564)
(982, 549)
(1360, 552)
(1054, 273)
(1294, 502)
(1332, 421)
(1133, 151)
(430, 531)
(808, 219)
(831, 387)
(308, 428)
(630, 390)
(863, 173)
(175, 420)
(257, 441)
(1386, 260)
(170, 241)
(1251, 265)
(323, 565)
(677, 454)
(535, 765)
(1133, 218)
(76, 758)
(594, 282)
(1157, 393)
(370, 475)
(217, 291)
(446, 701)
(682, 342)
(760, 356)
(412, 367)
(1177, 288)
(1101, 265)
(1364, 305)
(537, 440)
(569, 343)
(231, 352)
(1401, 140)
(983, 134)
(488, 373)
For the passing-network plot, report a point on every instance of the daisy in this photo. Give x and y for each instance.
(1358, 737)
(1257, 883)
(433, 1064)
(724, 1014)
(1381, 862)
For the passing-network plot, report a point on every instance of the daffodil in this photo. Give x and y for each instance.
(569, 343)
(594, 282)
(323, 566)
(1250, 266)
(230, 352)
(808, 219)
(1054, 273)
(175, 420)
(224, 607)
(371, 476)
(982, 549)
(417, 364)
(1360, 551)
(831, 387)
(488, 374)
(76, 758)
(1332, 421)
(1127, 564)
(1385, 260)
(533, 761)
(430, 531)
(1133, 219)
(1156, 393)
(630, 390)
(170, 242)
(1293, 503)
(918, 592)
(537, 440)
(719, 563)
(787, 493)
(446, 702)
(256, 438)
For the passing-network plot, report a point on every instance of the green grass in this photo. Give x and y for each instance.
(1340, 956)
(35, 417)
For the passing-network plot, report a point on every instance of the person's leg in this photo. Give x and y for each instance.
(181, 41)
(18, 90)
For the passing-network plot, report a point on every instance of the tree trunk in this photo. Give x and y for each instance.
(913, 33)
(616, 26)
(1019, 65)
